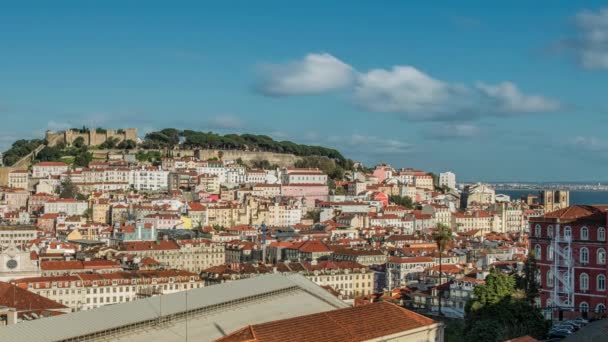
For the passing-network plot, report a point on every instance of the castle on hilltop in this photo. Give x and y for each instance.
(92, 137)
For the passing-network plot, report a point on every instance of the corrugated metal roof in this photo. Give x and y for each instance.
(118, 315)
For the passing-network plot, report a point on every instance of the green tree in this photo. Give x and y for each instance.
(68, 189)
(442, 236)
(404, 201)
(83, 159)
(220, 155)
(497, 287)
(78, 142)
(127, 145)
(506, 319)
(528, 283)
(314, 215)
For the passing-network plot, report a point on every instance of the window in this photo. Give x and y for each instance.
(584, 233)
(550, 252)
(600, 308)
(601, 256)
(583, 307)
(537, 230)
(601, 282)
(567, 233)
(584, 281)
(601, 234)
(549, 278)
(537, 252)
(584, 255)
(550, 231)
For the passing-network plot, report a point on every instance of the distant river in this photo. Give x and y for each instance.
(576, 197)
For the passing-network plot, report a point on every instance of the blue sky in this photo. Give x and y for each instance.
(509, 91)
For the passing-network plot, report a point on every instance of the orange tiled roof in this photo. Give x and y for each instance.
(351, 324)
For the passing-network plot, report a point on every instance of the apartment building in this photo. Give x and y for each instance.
(401, 270)
(68, 206)
(149, 179)
(190, 255)
(47, 169)
(292, 175)
(86, 291)
(19, 179)
(16, 235)
(570, 248)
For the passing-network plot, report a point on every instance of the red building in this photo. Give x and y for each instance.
(570, 248)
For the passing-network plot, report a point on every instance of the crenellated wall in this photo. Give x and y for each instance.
(92, 137)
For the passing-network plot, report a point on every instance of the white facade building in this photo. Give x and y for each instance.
(447, 179)
(149, 179)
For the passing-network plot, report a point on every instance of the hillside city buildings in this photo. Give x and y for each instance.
(134, 231)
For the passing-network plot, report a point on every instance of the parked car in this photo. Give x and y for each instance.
(559, 333)
(581, 320)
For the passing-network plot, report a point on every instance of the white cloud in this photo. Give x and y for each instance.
(505, 97)
(403, 89)
(314, 74)
(418, 96)
(592, 40)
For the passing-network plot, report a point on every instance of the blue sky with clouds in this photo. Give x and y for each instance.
(493, 91)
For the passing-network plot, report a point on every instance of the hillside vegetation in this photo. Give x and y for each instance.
(170, 137)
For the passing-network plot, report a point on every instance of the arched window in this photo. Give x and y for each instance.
(601, 282)
(584, 255)
(549, 278)
(600, 308)
(537, 252)
(537, 230)
(584, 281)
(537, 276)
(601, 234)
(567, 232)
(601, 256)
(584, 233)
(550, 231)
(550, 252)
(583, 307)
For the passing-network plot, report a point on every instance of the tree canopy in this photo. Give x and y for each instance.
(496, 315)
(404, 201)
(20, 149)
(170, 137)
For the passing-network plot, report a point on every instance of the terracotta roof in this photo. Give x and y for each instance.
(24, 300)
(361, 323)
(150, 245)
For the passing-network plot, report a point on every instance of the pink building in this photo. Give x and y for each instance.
(310, 192)
(382, 172)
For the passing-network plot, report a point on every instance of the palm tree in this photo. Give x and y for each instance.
(442, 236)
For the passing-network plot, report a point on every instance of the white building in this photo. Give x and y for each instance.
(65, 205)
(398, 269)
(284, 215)
(18, 179)
(303, 176)
(46, 169)
(149, 179)
(447, 179)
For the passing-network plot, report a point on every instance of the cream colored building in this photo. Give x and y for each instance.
(18, 179)
(85, 291)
